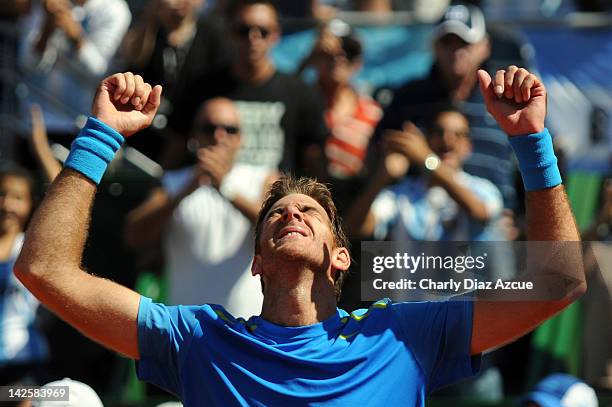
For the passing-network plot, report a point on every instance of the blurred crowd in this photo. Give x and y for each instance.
(423, 161)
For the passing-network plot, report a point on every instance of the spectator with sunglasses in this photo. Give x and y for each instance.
(282, 119)
(204, 214)
(443, 203)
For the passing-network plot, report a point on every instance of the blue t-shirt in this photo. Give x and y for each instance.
(389, 354)
(413, 210)
(21, 342)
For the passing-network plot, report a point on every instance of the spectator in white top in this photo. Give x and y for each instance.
(69, 46)
(204, 217)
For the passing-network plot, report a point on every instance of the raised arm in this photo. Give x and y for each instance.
(139, 42)
(146, 223)
(39, 143)
(360, 220)
(517, 100)
(50, 261)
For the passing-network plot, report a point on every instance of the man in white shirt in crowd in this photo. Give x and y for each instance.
(204, 216)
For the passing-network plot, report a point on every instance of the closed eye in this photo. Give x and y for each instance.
(277, 211)
(311, 210)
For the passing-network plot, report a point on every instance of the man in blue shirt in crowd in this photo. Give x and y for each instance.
(460, 46)
(301, 350)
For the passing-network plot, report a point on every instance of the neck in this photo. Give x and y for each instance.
(306, 299)
(181, 32)
(254, 72)
(335, 92)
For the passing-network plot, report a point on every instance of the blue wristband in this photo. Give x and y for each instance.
(93, 149)
(537, 160)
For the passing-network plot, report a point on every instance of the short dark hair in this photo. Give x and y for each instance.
(235, 5)
(351, 47)
(14, 170)
(438, 111)
(287, 185)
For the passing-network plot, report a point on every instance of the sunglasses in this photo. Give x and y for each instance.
(210, 128)
(244, 31)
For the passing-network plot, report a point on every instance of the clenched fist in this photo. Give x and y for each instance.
(126, 103)
(516, 99)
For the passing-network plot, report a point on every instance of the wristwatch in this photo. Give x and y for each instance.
(431, 163)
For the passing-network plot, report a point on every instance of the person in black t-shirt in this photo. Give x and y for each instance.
(169, 40)
(10, 11)
(282, 119)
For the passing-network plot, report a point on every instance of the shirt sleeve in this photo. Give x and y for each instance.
(174, 181)
(491, 197)
(164, 337)
(107, 27)
(384, 209)
(440, 336)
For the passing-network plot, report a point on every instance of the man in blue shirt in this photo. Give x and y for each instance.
(460, 46)
(441, 203)
(301, 350)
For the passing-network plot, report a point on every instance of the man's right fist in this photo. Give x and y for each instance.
(126, 103)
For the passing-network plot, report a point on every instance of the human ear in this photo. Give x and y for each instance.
(341, 259)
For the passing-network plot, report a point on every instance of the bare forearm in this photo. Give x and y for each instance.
(466, 199)
(73, 30)
(45, 34)
(496, 322)
(146, 223)
(49, 266)
(50, 166)
(58, 230)
(549, 216)
(139, 42)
